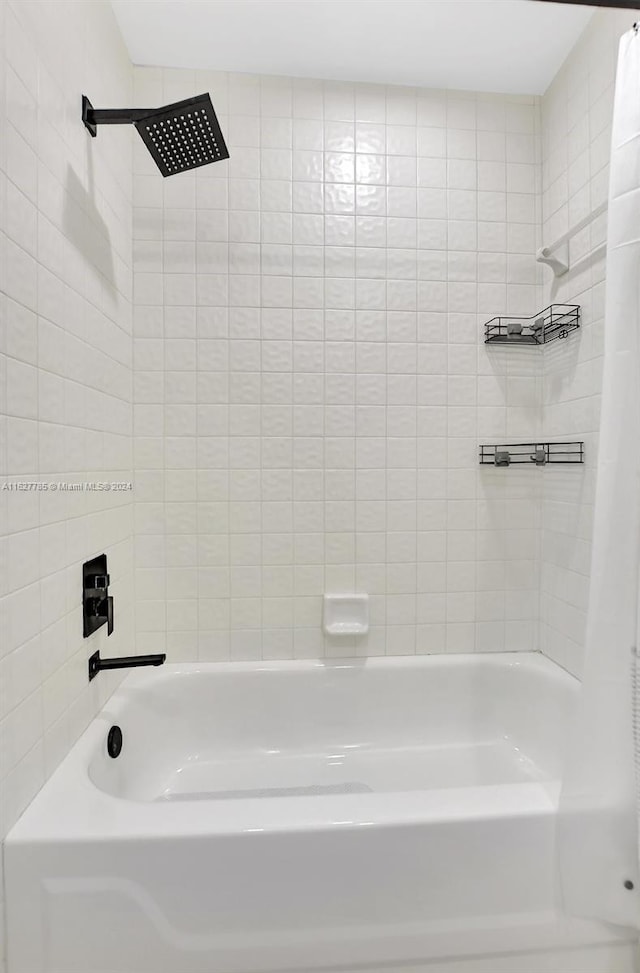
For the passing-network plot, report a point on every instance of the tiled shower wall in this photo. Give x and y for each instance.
(65, 374)
(311, 383)
(576, 116)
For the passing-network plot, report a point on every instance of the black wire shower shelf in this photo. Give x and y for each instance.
(537, 454)
(556, 321)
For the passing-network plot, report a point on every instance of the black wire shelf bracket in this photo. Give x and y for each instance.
(531, 454)
(555, 321)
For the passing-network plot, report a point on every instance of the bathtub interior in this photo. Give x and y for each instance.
(316, 730)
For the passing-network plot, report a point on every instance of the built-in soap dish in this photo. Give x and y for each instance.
(346, 614)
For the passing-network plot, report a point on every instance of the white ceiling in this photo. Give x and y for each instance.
(511, 46)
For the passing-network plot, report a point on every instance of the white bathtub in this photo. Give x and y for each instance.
(308, 816)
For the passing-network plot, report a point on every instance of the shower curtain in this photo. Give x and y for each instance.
(599, 804)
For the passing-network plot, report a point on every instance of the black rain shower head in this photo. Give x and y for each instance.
(184, 135)
(179, 137)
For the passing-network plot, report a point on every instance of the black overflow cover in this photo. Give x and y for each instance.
(114, 742)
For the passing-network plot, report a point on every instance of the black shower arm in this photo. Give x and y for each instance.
(92, 117)
(117, 116)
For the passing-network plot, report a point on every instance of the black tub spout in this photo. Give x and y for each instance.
(96, 664)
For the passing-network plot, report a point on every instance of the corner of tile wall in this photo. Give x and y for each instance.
(65, 375)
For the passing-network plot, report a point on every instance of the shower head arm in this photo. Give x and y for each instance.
(92, 117)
